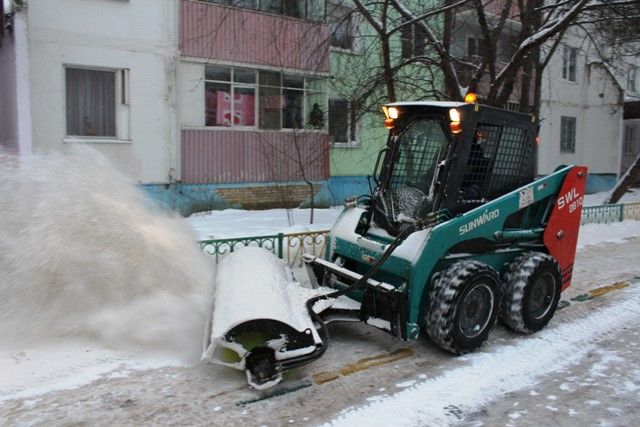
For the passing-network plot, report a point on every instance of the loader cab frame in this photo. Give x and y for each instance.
(438, 167)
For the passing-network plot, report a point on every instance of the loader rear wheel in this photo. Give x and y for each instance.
(531, 292)
(463, 306)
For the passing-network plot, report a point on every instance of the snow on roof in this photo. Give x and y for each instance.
(444, 104)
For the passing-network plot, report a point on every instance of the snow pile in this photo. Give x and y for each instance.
(84, 257)
(594, 234)
(595, 199)
(230, 223)
(511, 367)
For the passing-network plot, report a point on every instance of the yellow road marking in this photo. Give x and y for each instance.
(362, 365)
(325, 377)
(381, 359)
(605, 289)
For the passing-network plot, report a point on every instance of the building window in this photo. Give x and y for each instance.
(569, 57)
(632, 78)
(567, 134)
(280, 100)
(343, 123)
(341, 22)
(91, 102)
(628, 146)
(512, 106)
(413, 41)
(510, 45)
(230, 96)
(475, 47)
(307, 9)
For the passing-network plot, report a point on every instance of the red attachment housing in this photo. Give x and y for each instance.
(561, 235)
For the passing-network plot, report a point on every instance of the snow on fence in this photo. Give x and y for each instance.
(606, 214)
(291, 246)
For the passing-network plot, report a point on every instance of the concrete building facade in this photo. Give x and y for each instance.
(581, 114)
(103, 76)
(214, 104)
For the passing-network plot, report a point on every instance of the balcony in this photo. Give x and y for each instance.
(215, 156)
(224, 33)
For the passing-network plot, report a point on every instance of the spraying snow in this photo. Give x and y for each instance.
(84, 257)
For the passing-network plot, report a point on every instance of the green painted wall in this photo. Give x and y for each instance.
(353, 71)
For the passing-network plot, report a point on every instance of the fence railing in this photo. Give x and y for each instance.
(291, 246)
(287, 246)
(605, 214)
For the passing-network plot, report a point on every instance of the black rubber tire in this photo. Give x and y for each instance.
(444, 319)
(521, 291)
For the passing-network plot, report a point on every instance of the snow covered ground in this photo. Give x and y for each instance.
(238, 223)
(44, 371)
(70, 364)
(633, 195)
(581, 370)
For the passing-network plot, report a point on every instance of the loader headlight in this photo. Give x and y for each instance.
(455, 125)
(391, 114)
(454, 115)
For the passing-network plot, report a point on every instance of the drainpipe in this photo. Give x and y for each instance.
(23, 79)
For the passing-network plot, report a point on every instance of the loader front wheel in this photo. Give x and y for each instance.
(531, 292)
(463, 306)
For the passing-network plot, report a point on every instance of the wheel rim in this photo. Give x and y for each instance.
(541, 296)
(475, 310)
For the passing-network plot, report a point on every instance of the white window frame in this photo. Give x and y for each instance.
(478, 45)
(512, 106)
(628, 144)
(353, 25)
(568, 147)
(232, 89)
(632, 78)
(122, 100)
(570, 58)
(351, 112)
(259, 6)
(413, 30)
(305, 90)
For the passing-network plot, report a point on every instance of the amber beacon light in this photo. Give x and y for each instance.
(471, 98)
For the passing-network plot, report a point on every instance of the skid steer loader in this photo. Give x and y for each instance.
(455, 233)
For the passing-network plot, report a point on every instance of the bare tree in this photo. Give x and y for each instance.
(499, 73)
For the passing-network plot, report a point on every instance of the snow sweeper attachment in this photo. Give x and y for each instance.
(456, 233)
(260, 322)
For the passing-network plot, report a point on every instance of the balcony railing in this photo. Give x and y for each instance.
(216, 32)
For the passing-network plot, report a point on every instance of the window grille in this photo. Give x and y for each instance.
(567, 134)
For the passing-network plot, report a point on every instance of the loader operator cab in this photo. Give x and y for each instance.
(445, 158)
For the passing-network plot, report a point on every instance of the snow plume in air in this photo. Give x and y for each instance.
(83, 255)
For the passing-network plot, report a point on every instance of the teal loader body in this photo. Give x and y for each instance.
(411, 271)
(456, 233)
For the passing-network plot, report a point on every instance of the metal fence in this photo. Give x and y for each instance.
(291, 246)
(606, 214)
